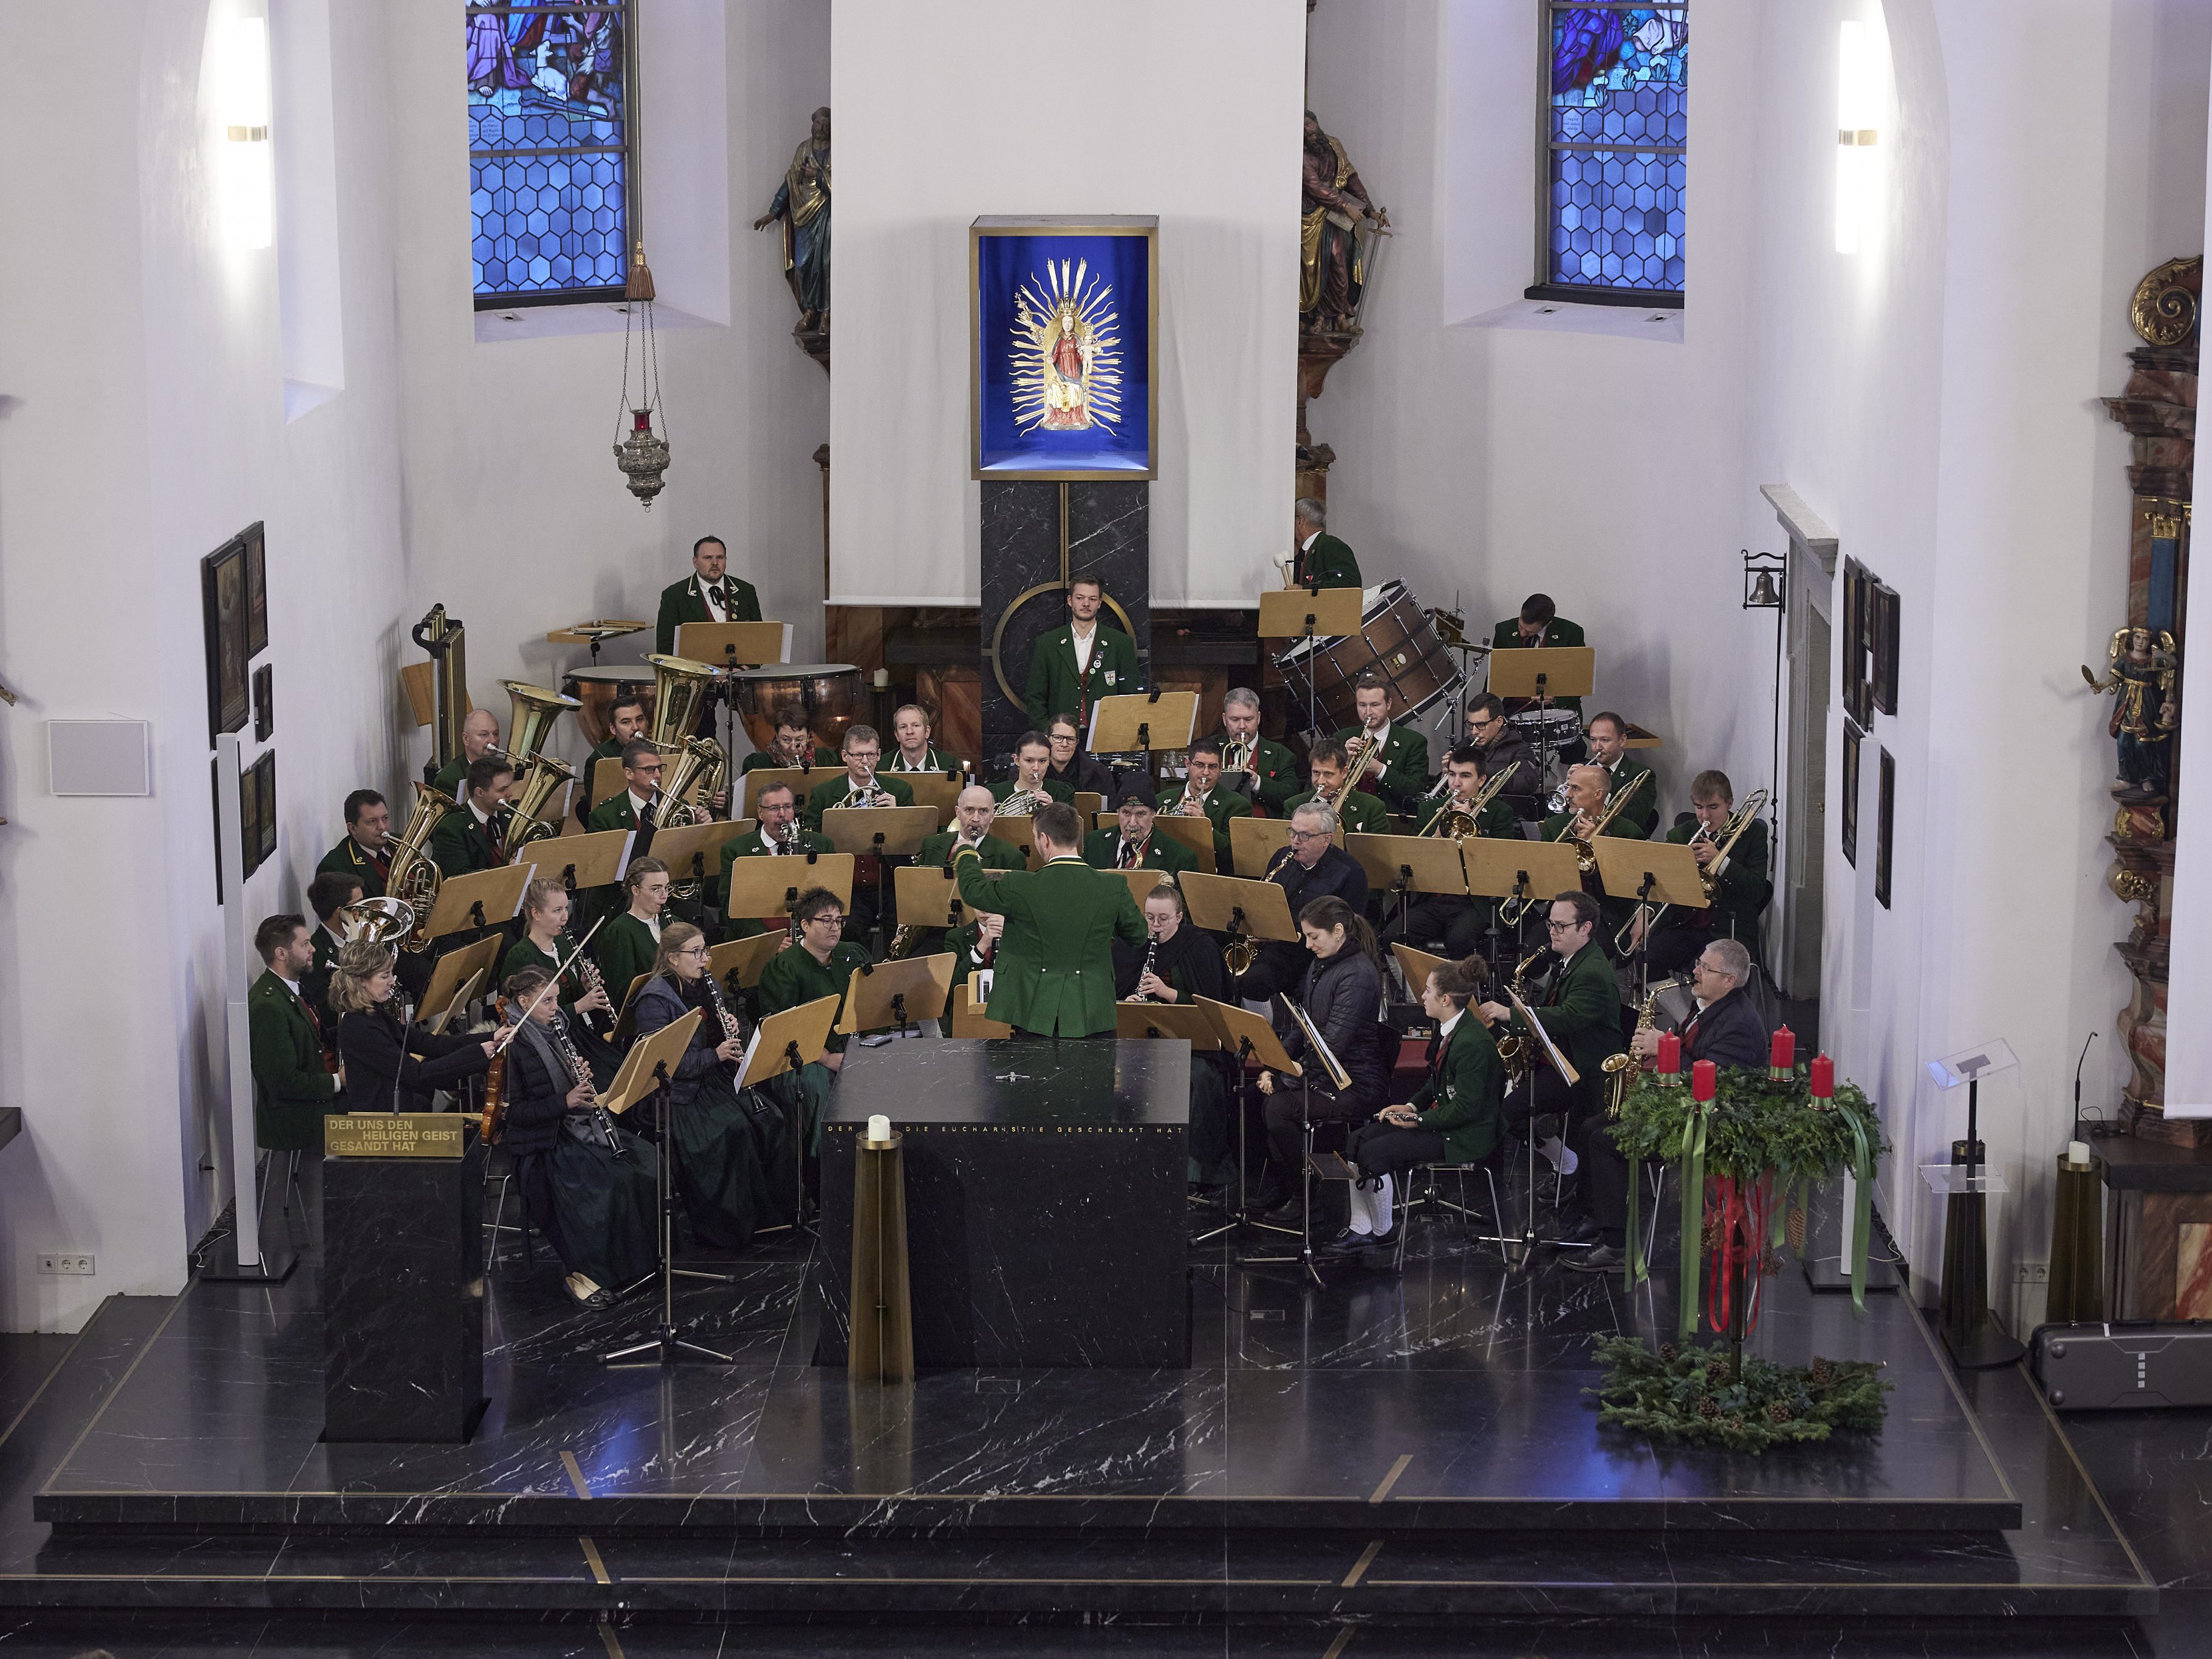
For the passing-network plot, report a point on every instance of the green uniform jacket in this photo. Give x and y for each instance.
(1278, 772)
(1055, 686)
(1055, 970)
(1465, 1101)
(1362, 814)
(1615, 910)
(315, 983)
(614, 812)
(1404, 777)
(934, 760)
(1744, 889)
(1060, 792)
(1329, 561)
(1642, 813)
(1221, 804)
(291, 1090)
(1496, 821)
(1582, 1016)
(624, 948)
(346, 859)
(1506, 636)
(760, 761)
(751, 846)
(459, 844)
(794, 976)
(680, 602)
(1102, 850)
(827, 795)
(610, 750)
(937, 851)
(524, 953)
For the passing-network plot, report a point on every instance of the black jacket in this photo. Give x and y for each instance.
(1728, 1032)
(1523, 789)
(1191, 962)
(1335, 872)
(1342, 995)
(536, 1100)
(660, 1004)
(374, 1062)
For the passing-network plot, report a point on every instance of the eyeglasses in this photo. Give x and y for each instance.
(1308, 834)
(691, 950)
(832, 921)
(1562, 926)
(646, 766)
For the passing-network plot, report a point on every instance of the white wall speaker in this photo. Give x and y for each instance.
(100, 757)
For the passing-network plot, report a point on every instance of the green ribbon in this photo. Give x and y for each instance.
(1693, 1211)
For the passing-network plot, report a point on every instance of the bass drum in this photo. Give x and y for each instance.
(831, 693)
(1396, 635)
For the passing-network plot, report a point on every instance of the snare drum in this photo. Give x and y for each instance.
(599, 689)
(831, 693)
(1396, 635)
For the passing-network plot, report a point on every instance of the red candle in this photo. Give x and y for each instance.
(1670, 1054)
(1704, 1081)
(1824, 1078)
(1782, 1058)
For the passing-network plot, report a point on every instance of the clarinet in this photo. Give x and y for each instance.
(603, 1120)
(730, 1027)
(601, 1020)
(1152, 956)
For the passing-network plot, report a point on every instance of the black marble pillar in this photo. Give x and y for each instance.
(1108, 534)
(403, 1297)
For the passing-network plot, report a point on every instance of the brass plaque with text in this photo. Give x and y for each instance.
(404, 1134)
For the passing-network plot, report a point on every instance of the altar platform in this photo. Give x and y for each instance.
(1385, 1449)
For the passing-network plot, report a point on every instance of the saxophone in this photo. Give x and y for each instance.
(1619, 1068)
(1514, 1049)
(1152, 956)
(603, 1122)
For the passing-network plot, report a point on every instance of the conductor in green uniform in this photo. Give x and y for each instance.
(1054, 975)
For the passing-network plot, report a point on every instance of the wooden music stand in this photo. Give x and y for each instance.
(969, 1022)
(635, 1077)
(451, 970)
(733, 644)
(1102, 820)
(470, 989)
(1196, 834)
(802, 780)
(1016, 831)
(934, 790)
(693, 852)
(1546, 674)
(624, 1023)
(1193, 1025)
(1252, 841)
(606, 779)
(594, 859)
(1142, 882)
(482, 898)
(884, 995)
(1625, 866)
(1535, 871)
(764, 886)
(1230, 904)
(1246, 1035)
(784, 1042)
(926, 895)
(1417, 966)
(1142, 722)
(1090, 803)
(893, 830)
(1399, 866)
(1311, 614)
(743, 958)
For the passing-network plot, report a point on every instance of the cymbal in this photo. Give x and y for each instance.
(600, 628)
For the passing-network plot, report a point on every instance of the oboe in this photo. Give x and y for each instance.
(602, 1120)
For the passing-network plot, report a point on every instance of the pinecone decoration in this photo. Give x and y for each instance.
(1708, 1408)
(1794, 1229)
(1736, 1423)
(1778, 1412)
(1823, 1373)
(1669, 1352)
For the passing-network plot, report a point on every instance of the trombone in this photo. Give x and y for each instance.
(1465, 823)
(1710, 877)
(1585, 856)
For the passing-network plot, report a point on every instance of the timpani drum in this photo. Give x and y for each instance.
(598, 689)
(831, 693)
(1396, 636)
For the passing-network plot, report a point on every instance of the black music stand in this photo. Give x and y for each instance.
(1253, 1039)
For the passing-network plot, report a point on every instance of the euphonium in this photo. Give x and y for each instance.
(413, 879)
(378, 921)
(542, 775)
(531, 711)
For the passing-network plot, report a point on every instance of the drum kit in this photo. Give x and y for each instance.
(1413, 646)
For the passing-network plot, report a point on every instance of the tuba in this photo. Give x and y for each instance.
(413, 879)
(531, 711)
(442, 636)
(542, 775)
(680, 688)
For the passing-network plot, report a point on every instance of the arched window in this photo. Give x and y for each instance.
(1616, 140)
(549, 173)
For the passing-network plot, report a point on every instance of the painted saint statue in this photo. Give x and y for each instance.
(1066, 356)
(1068, 408)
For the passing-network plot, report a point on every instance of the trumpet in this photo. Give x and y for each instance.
(1710, 877)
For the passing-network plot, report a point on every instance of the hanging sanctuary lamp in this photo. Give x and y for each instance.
(642, 454)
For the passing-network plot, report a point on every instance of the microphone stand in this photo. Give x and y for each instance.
(668, 1343)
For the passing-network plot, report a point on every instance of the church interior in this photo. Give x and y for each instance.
(1372, 849)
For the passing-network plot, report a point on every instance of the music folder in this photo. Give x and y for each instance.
(1560, 1063)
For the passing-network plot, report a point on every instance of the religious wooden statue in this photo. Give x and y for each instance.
(1331, 267)
(802, 204)
(2142, 670)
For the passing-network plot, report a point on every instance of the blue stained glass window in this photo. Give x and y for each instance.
(549, 149)
(1616, 146)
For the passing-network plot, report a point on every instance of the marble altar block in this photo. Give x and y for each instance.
(403, 1297)
(1044, 1198)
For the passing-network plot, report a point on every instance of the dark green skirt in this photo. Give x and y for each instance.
(732, 1164)
(608, 1208)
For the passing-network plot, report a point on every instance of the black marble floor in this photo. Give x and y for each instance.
(1349, 1467)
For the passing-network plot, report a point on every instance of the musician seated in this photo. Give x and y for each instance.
(910, 732)
(1539, 625)
(1608, 748)
(625, 720)
(1455, 1116)
(627, 943)
(709, 593)
(1578, 819)
(1179, 961)
(1342, 994)
(1256, 767)
(328, 896)
(860, 784)
(1203, 795)
(1579, 1010)
(633, 809)
(1455, 919)
(293, 1085)
(1074, 666)
(1502, 747)
(1310, 866)
(1361, 814)
(479, 737)
(582, 994)
(820, 962)
(475, 837)
(793, 746)
(729, 1157)
(1393, 760)
(971, 826)
(389, 1067)
(1321, 561)
(1743, 888)
(776, 834)
(1030, 785)
(1131, 844)
(587, 1184)
(1081, 773)
(366, 852)
(1728, 1030)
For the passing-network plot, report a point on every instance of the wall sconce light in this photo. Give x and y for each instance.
(1858, 103)
(249, 182)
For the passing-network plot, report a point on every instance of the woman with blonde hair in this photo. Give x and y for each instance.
(391, 1066)
(731, 1152)
(545, 943)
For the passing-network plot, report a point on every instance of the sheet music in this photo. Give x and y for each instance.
(1317, 1045)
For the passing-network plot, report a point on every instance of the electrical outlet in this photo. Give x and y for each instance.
(2031, 1272)
(65, 1262)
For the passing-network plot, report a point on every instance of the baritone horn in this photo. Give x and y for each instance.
(531, 711)
(412, 878)
(541, 776)
(697, 767)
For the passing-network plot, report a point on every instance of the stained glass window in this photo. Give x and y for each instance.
(1616, 143)
(549, 150)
